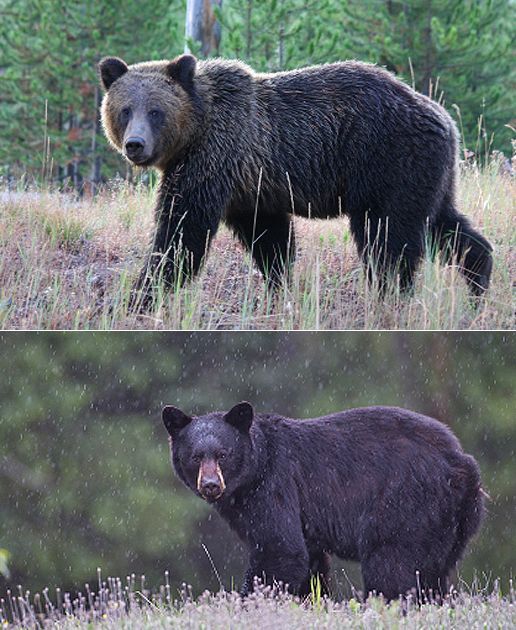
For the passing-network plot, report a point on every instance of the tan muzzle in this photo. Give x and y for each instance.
(210, 481)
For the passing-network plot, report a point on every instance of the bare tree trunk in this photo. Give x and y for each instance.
(202, 26)
(429, 53)
(249, 30)
(95, 157)
(281, 40)
(61, 173)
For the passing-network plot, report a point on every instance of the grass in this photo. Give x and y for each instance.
(68, 264)
(118, 605)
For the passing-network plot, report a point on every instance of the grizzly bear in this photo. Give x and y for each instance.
(384, 486)
(254, 149)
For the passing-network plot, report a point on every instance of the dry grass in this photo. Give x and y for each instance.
(69, 265)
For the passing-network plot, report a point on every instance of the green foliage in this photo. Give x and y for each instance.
(65, 231)
(283, 34)
(316, 592)
(459, 51)
(48, 52)
(85, 478)
(4, 558)
(49, 106)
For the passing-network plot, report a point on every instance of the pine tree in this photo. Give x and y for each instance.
(283, 34)
(457, 51)
(49, 106)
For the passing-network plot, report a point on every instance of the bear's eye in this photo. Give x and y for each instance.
(222, 455)
(125, 113)
(196, 458)
(155, 114)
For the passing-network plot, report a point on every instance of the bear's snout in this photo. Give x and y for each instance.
(210, 481)
(135, 148)
(211, 490)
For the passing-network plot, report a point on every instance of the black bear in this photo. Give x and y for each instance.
(385, 486)
(253, 149)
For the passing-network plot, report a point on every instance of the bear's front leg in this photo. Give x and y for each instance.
(175, 258)
(185, 226)
(281, 560)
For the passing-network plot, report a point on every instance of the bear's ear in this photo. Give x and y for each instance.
(174, 419)
(111, 69)
(240, 416)
(182, 69)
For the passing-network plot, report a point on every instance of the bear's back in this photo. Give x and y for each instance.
(370, 433)
(346, 466)
(359, 79)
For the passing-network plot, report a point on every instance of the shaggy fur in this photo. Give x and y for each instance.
(384, 486)
(252, 149)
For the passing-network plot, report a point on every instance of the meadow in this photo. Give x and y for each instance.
(118, 605)
(69, 263)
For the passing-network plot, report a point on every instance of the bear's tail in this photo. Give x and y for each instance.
(456, 238)
(471, 509)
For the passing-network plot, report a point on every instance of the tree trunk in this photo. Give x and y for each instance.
(281, 40)
(202, 26)
(249, 30)
(428, 68)
(95, 157)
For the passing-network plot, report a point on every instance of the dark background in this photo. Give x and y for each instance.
(85, 479)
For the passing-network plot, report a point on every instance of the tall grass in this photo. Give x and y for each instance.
(70, 264)
(117, 604)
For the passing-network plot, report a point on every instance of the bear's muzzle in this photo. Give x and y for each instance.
(210, 481)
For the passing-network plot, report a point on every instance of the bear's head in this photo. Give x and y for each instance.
(212, 454)
(148, 110)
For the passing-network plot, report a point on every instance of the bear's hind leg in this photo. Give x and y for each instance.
(386, 572)
(390, 571)
(271, 241)
(387, 250)
(455, 237)
(320, 566)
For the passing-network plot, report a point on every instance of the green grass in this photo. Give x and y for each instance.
(70, 264)
(116, 605)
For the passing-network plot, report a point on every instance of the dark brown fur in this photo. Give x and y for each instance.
(252, 149)
(387, 487)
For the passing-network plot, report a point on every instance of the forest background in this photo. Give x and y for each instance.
(460, 51)
(85, 476)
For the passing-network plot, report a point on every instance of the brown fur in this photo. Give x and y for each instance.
(210, 468)
(340, 138)
(152, 90)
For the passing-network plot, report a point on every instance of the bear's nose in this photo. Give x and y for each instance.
(134, 146)
(210, 489)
